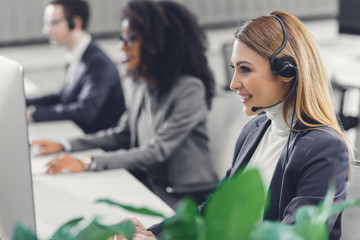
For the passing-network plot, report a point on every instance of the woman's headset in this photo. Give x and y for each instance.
(283, 66)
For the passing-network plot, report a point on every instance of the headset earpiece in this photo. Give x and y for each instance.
(71, 23)
(283, 66)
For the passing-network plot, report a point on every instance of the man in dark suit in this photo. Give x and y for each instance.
(92, 96)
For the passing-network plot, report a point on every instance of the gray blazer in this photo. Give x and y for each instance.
(178, 156)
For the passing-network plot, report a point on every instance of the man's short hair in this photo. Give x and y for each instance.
(74, 8)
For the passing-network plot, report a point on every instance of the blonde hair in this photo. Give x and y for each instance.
(264, 35)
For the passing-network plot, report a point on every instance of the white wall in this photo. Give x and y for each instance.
(21, 20)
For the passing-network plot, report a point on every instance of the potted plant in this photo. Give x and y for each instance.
(233, 212)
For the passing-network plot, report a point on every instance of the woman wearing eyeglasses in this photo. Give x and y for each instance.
(162, 138)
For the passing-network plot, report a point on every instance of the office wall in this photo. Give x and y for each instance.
(213, 12)
(21, 20)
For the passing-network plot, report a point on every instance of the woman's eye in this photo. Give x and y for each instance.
(245, 69)
(232, 67)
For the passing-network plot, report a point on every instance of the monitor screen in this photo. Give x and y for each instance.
(16, 193)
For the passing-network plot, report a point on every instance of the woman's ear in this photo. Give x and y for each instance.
(286, 79)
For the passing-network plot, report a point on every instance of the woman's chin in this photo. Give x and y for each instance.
(130, 67)
(131, 71)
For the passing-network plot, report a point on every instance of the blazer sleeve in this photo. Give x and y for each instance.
(320, 159)
(49, 99)
(110, 139)
(97, 83)
(187, 108)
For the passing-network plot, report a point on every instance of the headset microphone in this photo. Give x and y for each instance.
(254, 109)
(283, 66)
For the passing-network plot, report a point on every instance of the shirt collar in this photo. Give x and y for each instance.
(78, 51)
(277, 121)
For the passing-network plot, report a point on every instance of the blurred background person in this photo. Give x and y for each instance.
(92, 96)
(162, 138)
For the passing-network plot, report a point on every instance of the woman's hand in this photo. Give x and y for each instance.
(65, 162)
(43, 147)
(141, 232)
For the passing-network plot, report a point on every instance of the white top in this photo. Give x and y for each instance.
(272, 144)
(145, 128)
(74, 56)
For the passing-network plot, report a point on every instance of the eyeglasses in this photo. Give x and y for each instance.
(127, 40)
(54, 22)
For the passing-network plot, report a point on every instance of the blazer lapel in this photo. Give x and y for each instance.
(276, 184)
(135, 108)
(252, 140)
(71, 84)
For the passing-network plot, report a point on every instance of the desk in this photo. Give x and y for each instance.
(59, 198)
(53, 130)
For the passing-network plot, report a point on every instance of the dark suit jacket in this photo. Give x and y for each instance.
(315, 158)
(94, 101)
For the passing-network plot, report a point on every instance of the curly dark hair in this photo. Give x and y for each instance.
(173, 44)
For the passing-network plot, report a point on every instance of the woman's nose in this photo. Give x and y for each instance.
(122, 47)
(235, 82)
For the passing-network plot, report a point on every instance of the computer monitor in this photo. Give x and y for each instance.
(16, 193)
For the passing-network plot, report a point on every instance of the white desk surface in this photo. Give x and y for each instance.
(59, 198)
(54, 130)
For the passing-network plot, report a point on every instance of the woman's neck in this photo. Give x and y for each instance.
(277, 121)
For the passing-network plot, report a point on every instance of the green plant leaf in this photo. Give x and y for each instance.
(186, 224)
(92, 229)
(309, 223)
(97, 231)
(140, 210)
(22, 233)
(344, 205)
(64, 232)
(325, 207)
(235, 207)
(275, 231)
